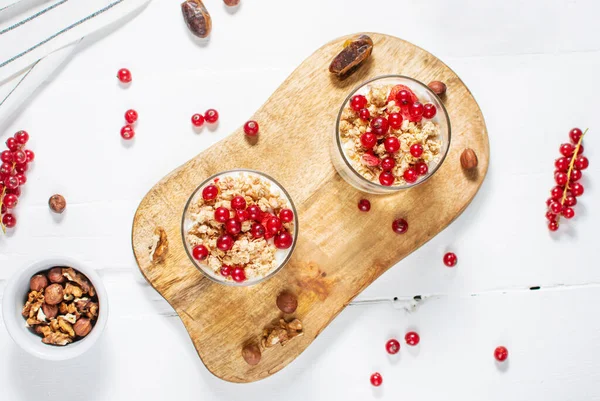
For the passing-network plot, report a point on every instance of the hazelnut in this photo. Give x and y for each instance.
(231, 3)
(57, 203)
(50, 310)
(82, 327)
(287, 302)
(468, 159)
(250, 353)
(38, 282)
(53, 294)
(55, 275)
(438, 87)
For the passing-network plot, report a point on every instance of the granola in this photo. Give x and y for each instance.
(388, 136)
(68, 319)
(239, 227)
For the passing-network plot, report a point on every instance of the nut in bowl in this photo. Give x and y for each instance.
(392, 133)
(55, 309)
(239, 227)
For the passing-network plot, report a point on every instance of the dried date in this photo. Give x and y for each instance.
(196, 18)
(354, 53)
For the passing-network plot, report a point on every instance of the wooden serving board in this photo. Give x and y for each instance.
(340, 250)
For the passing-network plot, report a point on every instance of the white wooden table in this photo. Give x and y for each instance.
(533, 68)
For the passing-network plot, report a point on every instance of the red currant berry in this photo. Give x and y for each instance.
(403, 97)
(416, 150)
(570, 200)
(200, 252)
(21, 168)
(429, 111)
(410, 175)
(400, 226)
(5, 169)
(412, 338)
(233, 226)
(211, 116)
(9, 220)
(22, 178)
(257, 230)
(575, 175)
(578, 151)
(124, 75)
(210, 192)
(550, 216)
(555, 207)
(581, 163)
(392, 346)
(131, 116)
(242, 215)
(225, 270)
(567, 149)
(198, 120)
(576, 189)
(358, 102)
(251, 128)
(392, 144)
(19, 157)
(16, 191)
(10, 201)
(416, 111)
(30, 155)
(225, 242)
(127, 132)
(12, 144)
(501, 353)
(221, 214)
(379, 126)
(553, 225)
(561, 178)
(238, 203)
(450, 259)
(11, 182)
(6, 156)
(386, 178)
(549, 201)
(238, 274)
(395, 120)
(22, 137)
(255, 213)
(368, 140)
(364, 205)
(562, 164)
(388, 163)
(421, 168)
(556, 193)
(364, 114)
(376, 379)
(568, 212)
(286, 215)
(283, 240)
(575, 135)
(274, 225)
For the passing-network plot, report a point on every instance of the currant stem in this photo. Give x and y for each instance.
(571, 165)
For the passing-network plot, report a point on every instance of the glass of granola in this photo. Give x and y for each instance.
(239, 227)
(392, 133)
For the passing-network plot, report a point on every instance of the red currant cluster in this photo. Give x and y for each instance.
(127, 131)
(211, 116)
(411, 109)
(567, 174)
(15, 162)
(266, 225)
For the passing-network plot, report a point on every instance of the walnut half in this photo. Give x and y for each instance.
(282, 333)
(160, 245)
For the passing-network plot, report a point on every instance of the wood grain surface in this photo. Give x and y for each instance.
(340, 250)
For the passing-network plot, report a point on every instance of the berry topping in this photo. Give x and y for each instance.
(254, 212)
(410, 175)
(221, 214)
(416, 150)
(392, 144)
(358, 102)
(364, 114)
(380, 126)
(238, 274)
(421, 168)
(210, 192)
(368, 140)
(388, 163)
(233, 226)
(225, 242)
(226, 270)
(274, 225)
(200, 252)
(283, 240)
(238, 203)
(395, 120)
(368, 159)
(286, 215)
(386, 178)
(257, 230)
(429, 110)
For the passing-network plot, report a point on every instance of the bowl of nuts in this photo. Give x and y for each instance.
(55, 309)
(391, 133)
(239, 227)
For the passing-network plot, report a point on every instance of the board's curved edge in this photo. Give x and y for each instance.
(184, 318)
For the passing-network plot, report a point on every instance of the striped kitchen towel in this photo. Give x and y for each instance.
(36, 36)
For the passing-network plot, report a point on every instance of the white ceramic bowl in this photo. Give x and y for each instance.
(15, 296)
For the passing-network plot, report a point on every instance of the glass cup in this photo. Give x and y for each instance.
(346, 167)
(282, 256)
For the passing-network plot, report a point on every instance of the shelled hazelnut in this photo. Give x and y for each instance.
(468, 159)
(251, 354)
(38, 283)
(53, 294)
(57, 203)
(438, 87)
(55, 275)
(287, 302)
